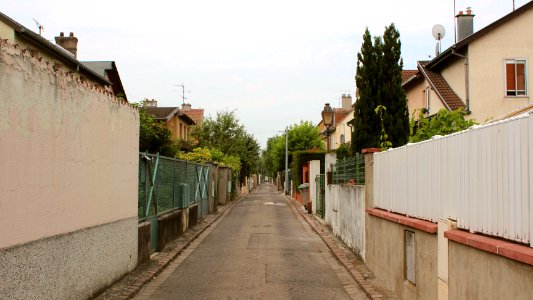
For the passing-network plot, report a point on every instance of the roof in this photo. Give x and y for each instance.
(476, 35)
(197, 114)
(166, 113)
(55, 50)
(441, 87)
(109, 70)
(407, 74)
(161, 113)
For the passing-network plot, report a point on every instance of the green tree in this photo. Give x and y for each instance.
(378, 80)
(442, 123)
(226, 134)
(367, 78)
(302, 136)
(396, 115)
(154, 137)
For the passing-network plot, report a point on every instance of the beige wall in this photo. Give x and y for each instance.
(416, 98)
(342, 128)
(454, 73)
(6, 32)
(69, 152)
(174, 126)
(476, 274)
(385, 257)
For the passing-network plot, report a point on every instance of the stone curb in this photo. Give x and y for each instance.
(339, 252)
(131, 284)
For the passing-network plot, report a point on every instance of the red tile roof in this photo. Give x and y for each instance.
(407, 74)
(196, 114)
(441, 87)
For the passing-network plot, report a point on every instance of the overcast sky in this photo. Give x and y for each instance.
(273, 62)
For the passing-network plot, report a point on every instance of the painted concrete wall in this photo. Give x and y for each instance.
(476, 274)
(314, 170)
(346, 215)
(342, 128)
(487, 56)
(416, 98)
(68, 179)
(385, 256)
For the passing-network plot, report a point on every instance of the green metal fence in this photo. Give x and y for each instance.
(349, 170)
(167, 183)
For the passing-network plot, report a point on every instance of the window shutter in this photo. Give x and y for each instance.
(509, 75)
(520, 76)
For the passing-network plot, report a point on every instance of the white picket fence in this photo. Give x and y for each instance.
(480, 177)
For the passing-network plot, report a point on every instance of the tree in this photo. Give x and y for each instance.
(442, 123)
(302, 136)
(227, 135)
(379, 82)
(154, 137)
(396, 115)
(366, 122)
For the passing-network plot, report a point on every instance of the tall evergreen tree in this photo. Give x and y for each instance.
(396, 117)
(366, 122)
(379, 82)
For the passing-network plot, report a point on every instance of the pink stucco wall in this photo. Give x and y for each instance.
(68, 151)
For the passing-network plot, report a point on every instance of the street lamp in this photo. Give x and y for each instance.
(327, 119)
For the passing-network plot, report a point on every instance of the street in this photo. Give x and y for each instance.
(259, 250)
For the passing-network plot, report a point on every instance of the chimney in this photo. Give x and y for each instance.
(465, 24)
(346, 101)
(186, 106)
(150, 103)
(70, 43)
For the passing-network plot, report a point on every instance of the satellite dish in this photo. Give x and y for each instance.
(438, 32)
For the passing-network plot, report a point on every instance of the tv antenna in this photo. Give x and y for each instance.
(438, 33)
(182, 91)
(41, 27)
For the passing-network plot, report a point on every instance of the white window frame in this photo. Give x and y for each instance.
(427, 94)
(526, 87)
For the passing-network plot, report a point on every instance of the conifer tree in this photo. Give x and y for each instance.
(379, 82)
(366, 122)
(396, 117)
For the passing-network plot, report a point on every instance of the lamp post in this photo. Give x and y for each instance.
(327, 119)
(287, 160)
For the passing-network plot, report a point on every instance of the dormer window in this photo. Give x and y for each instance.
(515, 77)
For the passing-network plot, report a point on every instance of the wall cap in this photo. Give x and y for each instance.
(496, 246)
(370, 150)
(423, 225)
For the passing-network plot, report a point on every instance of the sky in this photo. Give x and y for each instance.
(275, 63)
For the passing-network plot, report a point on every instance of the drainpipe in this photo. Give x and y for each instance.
(467, 82)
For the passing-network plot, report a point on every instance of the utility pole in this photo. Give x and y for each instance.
(287, 160)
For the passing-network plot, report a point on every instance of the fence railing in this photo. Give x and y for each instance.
(349, 170)
(481, 178)
(166, 184)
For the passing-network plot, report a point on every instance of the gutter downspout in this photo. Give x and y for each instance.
(467, 81)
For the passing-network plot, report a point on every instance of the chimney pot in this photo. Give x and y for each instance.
(465, 24)
(69, 43)
(61, 34)
(72, 34)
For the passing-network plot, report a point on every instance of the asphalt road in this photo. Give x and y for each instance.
(259, 250)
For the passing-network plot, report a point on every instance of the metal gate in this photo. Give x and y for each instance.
(320, 195)
(200, 196)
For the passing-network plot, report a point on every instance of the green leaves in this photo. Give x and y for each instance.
(154, 137)
(378, 80)
(442, 123)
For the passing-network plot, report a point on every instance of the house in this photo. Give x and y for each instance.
(108, 70)
(176, 120)
(485, 72)
(340, 131)
(196, 114)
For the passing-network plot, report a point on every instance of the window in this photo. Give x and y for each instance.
(343, 139)
(515, 77)
(428, 98)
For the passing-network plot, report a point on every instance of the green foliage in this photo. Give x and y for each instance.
(299, 158)
(384, 142)
(302, 136)
(203, 155)
(228, 136)
(344, 151)
(442, 123)
(378, 80)
(154, 137)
